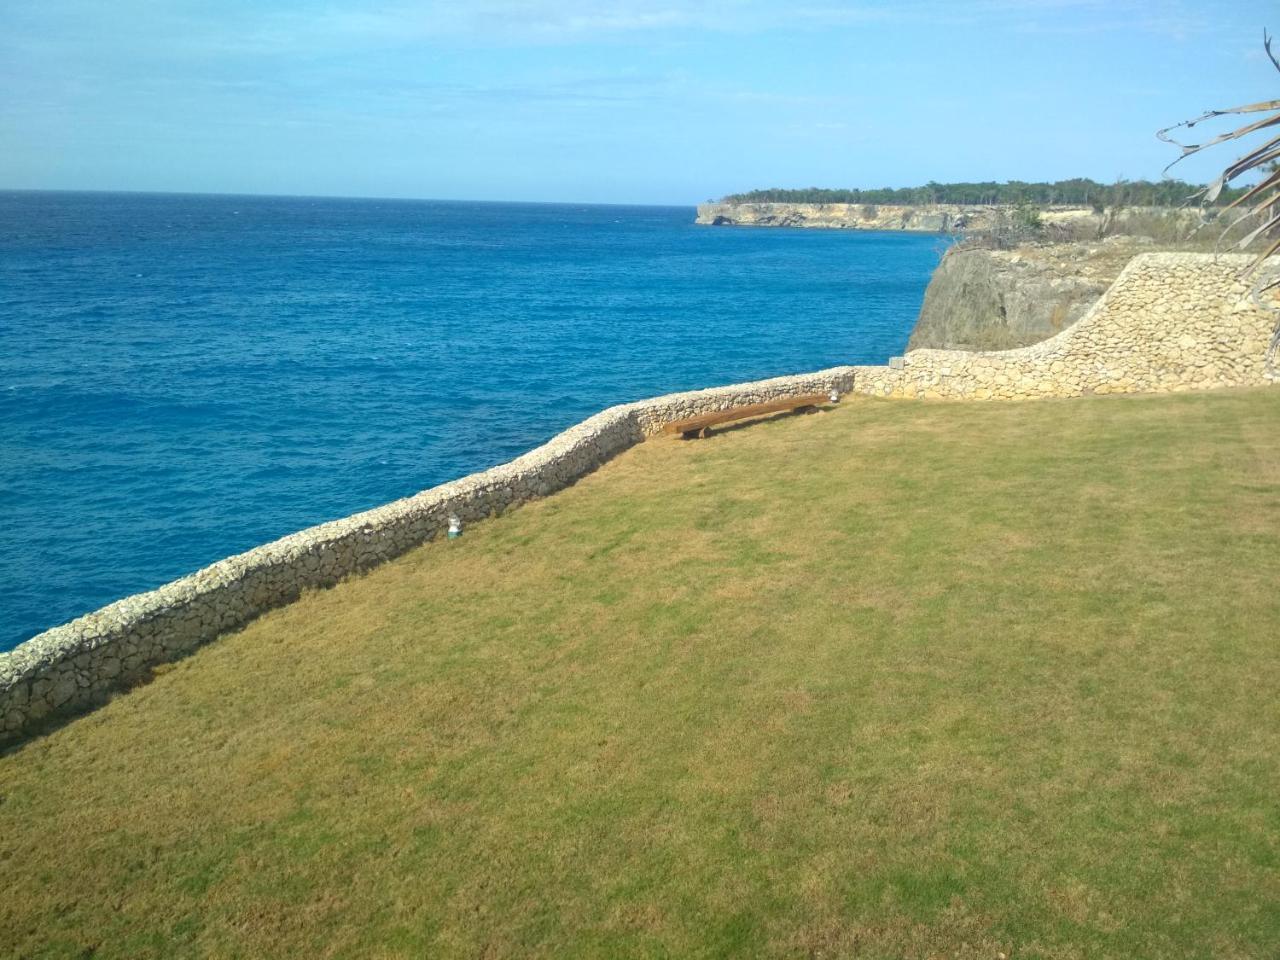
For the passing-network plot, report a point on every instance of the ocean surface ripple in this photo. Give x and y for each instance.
(186, 377)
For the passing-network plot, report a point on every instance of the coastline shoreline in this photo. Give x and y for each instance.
(1169, 322)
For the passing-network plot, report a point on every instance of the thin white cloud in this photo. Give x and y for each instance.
(192, 30)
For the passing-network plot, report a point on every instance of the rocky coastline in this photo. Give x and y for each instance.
(924, 218)
(934, 218)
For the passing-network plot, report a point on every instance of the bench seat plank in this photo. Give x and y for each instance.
(694, 426)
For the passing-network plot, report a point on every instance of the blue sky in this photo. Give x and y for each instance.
(643, 101)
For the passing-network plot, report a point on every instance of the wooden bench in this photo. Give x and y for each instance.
(700, 425)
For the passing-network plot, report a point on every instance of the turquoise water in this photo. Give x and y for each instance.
(185, 377)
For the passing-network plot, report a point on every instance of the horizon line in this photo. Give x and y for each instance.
(336, 196)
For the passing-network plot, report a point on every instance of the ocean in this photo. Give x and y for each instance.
(185, 377)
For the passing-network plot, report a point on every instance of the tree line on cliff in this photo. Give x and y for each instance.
(1076, 192)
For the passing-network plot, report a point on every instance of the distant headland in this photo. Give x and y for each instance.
(953, 207)
(1077, 192)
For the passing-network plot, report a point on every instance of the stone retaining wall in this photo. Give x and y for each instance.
(75, 666)
(1170, 322)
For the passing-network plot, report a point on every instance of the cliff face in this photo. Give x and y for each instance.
(934, 218)
(1068, 222)
(1000, 299)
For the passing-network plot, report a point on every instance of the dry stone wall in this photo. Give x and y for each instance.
(75, 666)
(1170, 322)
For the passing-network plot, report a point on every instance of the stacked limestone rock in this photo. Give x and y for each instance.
(1171, 321)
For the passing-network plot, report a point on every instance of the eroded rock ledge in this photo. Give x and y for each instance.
(980, 299)
(924, 218)
(934, 218)
(1071, 221)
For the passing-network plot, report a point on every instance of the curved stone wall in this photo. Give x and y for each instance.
(75, 666)
(1170, 322)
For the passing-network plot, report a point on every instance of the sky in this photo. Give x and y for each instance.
(637, 101)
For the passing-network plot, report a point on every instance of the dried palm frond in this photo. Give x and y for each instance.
(1261, 202)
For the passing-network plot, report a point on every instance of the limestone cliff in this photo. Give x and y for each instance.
(1062, 222)
(933, 218)
(999, 299)
(925, 218)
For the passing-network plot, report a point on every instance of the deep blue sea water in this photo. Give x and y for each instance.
(185, 377)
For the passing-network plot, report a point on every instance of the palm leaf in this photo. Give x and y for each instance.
(1261, 202)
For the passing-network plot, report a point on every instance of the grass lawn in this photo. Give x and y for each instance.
(898, 680)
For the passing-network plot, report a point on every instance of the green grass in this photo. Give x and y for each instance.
(898, 680)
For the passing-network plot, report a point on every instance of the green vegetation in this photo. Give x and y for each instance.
(1076, 192)
(897, 680)
(1027, 216)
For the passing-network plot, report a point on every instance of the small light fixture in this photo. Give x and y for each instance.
(835, 395)
(455, 526)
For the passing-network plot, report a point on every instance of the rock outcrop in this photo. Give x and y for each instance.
(999, 299)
